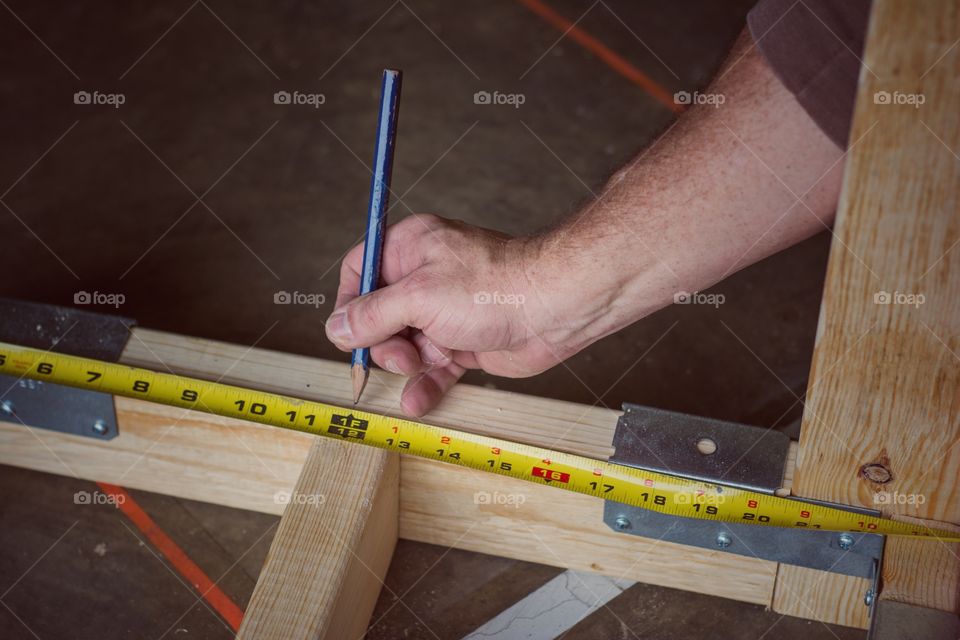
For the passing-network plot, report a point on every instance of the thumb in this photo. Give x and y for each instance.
(370, 319)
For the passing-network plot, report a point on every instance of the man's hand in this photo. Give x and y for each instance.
(724, 188)
(452, 297)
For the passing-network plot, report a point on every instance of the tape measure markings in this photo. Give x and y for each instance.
(659, 492)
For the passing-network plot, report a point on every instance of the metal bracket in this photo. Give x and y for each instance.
(872, 597)
(731, 454)
(63, 330)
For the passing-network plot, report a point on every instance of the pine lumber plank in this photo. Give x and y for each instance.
(540, 524)
(818, 595)
(181, 453)
(322, 576)
(921, 573)
(244, 465)
(541, 421)
(885, 381)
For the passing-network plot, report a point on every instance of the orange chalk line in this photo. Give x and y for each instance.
(187, 568)
(606, 54)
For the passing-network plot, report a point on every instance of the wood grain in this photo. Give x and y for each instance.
(921, 573)
(536, 523)
(323, 574)
(541, 421)
(182, 453)
(818, 595)
(244, 465)
(885, 383)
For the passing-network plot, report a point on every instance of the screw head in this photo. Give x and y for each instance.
(100, 428)
(622, 523)
(7, 407)
(868, 597)
(724, 540)
(845, 541)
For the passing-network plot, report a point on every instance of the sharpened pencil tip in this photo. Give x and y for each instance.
(359, 375)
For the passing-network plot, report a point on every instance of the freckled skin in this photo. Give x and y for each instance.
(721, 189)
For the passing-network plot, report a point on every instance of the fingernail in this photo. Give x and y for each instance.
(391, 366)
(432, 355)
(337, 327)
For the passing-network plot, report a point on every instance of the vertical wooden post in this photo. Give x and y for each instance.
(881, 426)
(327, 562)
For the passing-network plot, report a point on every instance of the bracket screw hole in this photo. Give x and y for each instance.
(707, 446)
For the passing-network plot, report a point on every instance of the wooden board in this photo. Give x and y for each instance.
(818, 595)
(322, 576)
(241, 464)
(536, 523)
(180, 453)
(885, 383)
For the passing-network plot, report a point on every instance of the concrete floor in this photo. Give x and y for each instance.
(112, 207)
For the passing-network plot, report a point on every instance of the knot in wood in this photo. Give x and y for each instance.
(877, 473)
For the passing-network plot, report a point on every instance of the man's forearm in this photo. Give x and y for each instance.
(722, 189)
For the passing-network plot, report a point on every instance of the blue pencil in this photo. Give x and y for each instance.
(377, 209)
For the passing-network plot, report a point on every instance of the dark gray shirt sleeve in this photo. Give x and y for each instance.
(814, 47)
